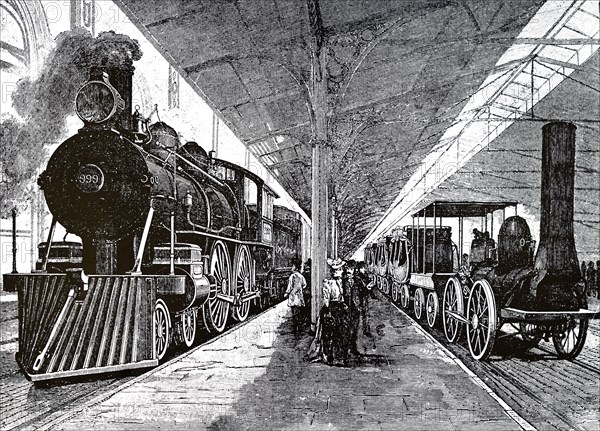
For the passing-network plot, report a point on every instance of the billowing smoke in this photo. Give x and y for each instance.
(45, 103)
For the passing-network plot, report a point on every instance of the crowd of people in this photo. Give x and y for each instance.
(590, 275)
(346, 294)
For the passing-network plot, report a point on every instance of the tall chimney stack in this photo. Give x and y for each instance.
(556, 259)
(122, 79)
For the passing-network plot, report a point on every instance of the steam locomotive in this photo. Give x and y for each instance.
(173, 239)
(541, 297)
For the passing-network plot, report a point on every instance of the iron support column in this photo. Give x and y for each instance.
(321, 156)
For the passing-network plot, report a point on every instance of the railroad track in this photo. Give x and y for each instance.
(548, 392)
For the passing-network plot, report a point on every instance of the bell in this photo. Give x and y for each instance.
(140, 126)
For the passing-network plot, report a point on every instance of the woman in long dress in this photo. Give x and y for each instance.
(331, 339)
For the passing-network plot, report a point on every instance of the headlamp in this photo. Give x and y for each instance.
(98, 101)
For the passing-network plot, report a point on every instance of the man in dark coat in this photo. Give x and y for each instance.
(363, 286)
(352, 299)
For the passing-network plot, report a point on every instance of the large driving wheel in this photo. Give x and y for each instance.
(188, 327)
(216, 309)
(395, 291)
(404, 296)
(243, 284)
(433, 307)
(568, 344)
(482, 320)
(453, 309)
(419, 303)
(162, 329)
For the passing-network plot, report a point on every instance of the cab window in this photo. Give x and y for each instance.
(267, 205)
(250, 192)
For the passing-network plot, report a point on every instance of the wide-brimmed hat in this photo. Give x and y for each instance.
(335, 264)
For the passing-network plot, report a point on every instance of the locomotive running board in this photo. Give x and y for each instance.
(545, 316)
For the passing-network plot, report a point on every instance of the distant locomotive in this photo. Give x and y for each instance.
(172, 239)
(502, 283)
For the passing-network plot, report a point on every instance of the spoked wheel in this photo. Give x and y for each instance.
(433, 307)
(395, 292)
(216, 309)
(404, 296)
(188, 327)
(385, 287)
(569, 343)
(453, 308)
(482, 320)
(527, 331)
(162, 329)
(419, 303)
(243, 284)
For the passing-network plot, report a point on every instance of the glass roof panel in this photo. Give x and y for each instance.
(583, 23)
(546, 16)
(567, 33)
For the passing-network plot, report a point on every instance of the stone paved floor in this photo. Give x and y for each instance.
(256, 378)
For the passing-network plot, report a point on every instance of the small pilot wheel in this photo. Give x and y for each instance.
(395, 292)
(162, 329)
(188, 327)
(482, 320)
(568, 344)
(528, 334)
(432, 308)
(419, 303)
(453, 307)
(404, 296)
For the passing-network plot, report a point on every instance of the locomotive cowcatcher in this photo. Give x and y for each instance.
(173, 240)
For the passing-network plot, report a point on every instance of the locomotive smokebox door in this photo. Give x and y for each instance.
(102, 176)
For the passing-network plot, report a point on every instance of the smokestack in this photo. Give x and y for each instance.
(122, 79)
(556, 259)
(115, 53)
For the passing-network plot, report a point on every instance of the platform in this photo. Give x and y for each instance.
(256, 377)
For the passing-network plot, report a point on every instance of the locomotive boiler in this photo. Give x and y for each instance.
(172, 240)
